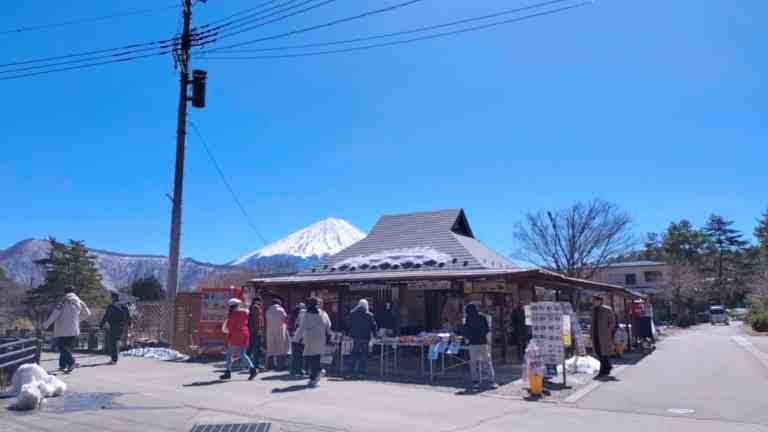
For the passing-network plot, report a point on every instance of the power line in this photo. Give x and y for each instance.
(398, 33)
(311, 28)
(83, 66)
(87, 20)
(226, 182)
(149, 45)
(230, 21)
(160, 50)
(228, 32)
(406, 41)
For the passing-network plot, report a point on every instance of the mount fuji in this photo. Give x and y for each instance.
(119, 270)
(302, 248)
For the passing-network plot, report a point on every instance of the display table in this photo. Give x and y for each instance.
(425, 345)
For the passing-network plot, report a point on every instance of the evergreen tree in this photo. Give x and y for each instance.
(761, 233)
(727, 260)
(66, 266)
(682, 243)
(147, 289)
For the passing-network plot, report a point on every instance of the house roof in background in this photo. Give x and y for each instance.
(446, 232)
(635, 264)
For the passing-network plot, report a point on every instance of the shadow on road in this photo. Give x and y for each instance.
(205, 383)
(606, 379)
(282, 377)
(293, 388)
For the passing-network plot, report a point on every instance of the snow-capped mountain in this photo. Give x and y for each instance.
(117, 270)
(305, 246)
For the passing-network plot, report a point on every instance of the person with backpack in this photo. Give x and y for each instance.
(65, 320)
(362, 327)
(119, 318)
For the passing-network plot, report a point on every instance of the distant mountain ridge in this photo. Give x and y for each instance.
(119, 270)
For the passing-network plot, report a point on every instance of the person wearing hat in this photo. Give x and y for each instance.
(118, 317)
(603, 329)
(238, 337)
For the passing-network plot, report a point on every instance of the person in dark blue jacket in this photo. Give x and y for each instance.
(118, 317)
(362, 327)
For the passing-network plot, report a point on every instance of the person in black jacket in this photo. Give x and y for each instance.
(362, 326)
(476, 331)
(118, 317)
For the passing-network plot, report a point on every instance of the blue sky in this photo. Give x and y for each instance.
(659, 107)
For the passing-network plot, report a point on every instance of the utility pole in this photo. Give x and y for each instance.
(178, 182)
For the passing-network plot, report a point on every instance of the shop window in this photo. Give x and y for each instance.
(630, 279)
(653, 276)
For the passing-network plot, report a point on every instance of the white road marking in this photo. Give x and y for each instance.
(681, 411)
(573, 398)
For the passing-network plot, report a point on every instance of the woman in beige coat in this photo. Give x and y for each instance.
(313, 332)
(278, 339)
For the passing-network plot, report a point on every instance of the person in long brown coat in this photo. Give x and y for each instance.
(603, 329)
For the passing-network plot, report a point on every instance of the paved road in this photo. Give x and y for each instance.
(704, 369)
(710, 370)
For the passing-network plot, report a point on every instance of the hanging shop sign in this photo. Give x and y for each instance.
(367, 286)
(488, 287)
(429, 285)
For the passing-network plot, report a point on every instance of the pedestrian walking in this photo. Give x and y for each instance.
(362, 326)
(65, 319)
(119, 318)
(278, 340)
(314, 330)
(238, 337)
(255, 330)
(297, 348)
(603, 329)
(476, 330)
(520, 330)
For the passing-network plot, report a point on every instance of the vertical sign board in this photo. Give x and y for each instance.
(213, 313)
(547, 331)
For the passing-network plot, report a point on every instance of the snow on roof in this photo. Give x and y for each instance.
(406, 258)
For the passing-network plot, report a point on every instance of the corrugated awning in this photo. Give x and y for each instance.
(537, 276)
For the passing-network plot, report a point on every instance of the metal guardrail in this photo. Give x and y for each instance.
(16, 353)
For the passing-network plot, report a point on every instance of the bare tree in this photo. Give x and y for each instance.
(578, 240)
(683, 286)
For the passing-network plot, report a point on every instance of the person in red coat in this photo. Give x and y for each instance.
(238, 337)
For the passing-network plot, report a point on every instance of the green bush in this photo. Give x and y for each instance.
(758, 321)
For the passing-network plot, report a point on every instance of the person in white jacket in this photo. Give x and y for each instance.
(66, 326)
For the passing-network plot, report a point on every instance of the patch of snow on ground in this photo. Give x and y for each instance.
(31, 384)
(165, 354)
(417, 255)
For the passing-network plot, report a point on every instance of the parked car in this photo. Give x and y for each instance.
(718, 315)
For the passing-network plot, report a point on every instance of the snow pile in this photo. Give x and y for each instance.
(406, 258)
(31, 384)
(580, 365)
(326, 237)
(165, 354)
